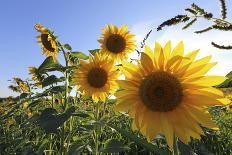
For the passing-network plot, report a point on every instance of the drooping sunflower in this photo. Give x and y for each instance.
(47, 41)
(22, 85)
(117, 42)
(35, 74)
(96, 78)
(168, 92)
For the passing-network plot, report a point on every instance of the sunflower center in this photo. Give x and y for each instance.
(97, 77)
(161, 91)
(47, 43)
(115, 43)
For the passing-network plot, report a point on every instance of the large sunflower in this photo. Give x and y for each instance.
(117, 42)
(47, 41)
(169, 93)
(96, 78)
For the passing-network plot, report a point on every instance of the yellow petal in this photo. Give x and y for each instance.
(192, 55)
(152, 124)
(178, 50)
(167, 129)
(203, 117)
(157, 52)
(146, 62)
(161, 60)
(210, 80)
(149, 52)
(167, 50)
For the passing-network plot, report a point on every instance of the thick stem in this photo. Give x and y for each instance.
(96, 129)
(175, 146)
(62, 140)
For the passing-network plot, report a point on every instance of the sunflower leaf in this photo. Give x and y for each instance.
(51, 80)
(141, 142)
(50, 65)
(68, 47)
(93, 52)
(79, 55)
(114, 146)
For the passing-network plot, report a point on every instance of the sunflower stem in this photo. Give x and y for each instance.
(175, 146)
(96, 129)
(62, 151)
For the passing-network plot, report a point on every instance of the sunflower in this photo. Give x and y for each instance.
(35, 74)
(47, 41)
(96, 78)
(22, 85)
(169, 93)
(117, 42)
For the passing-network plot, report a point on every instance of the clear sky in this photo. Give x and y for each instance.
(78, 22)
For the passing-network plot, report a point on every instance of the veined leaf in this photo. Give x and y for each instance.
(51, 80)
(79, 55)
(141, 142)
(114, 146)
(50, 65)
(94, 51)
(50, 120)
(68, 47)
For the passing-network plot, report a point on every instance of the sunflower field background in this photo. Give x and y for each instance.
(104, 102)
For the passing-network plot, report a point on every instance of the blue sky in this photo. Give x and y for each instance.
(79, 23)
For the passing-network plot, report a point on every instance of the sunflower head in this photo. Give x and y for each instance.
(169, 92)
(47, 41)
(117, 42)
(96, 78)
(22, 85)
(36, 76)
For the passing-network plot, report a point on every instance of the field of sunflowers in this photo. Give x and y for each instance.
(105, 103)
(100, 103)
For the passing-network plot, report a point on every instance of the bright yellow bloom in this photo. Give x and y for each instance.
(22, 85)
(96, 78)
(47, 41)
(25, 105)
(168, 92)
(117, 42)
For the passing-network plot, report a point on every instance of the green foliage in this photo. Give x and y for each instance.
(50, 65)
(50, 120)
(94, 51)
(114, 146)
(228, 82)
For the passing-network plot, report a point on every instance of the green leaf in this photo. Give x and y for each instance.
(47, 62)
(141, 142)
(35, 102)
(42, 147)
(114, 146)
(57, 89)
(51, 80)
(76, 148)
(82, 114)
(50, 65)
(23, 95)
(94, 51)
(68, 47)
(49, 120)
(184, 149)
(227, 83)
(79, 55)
